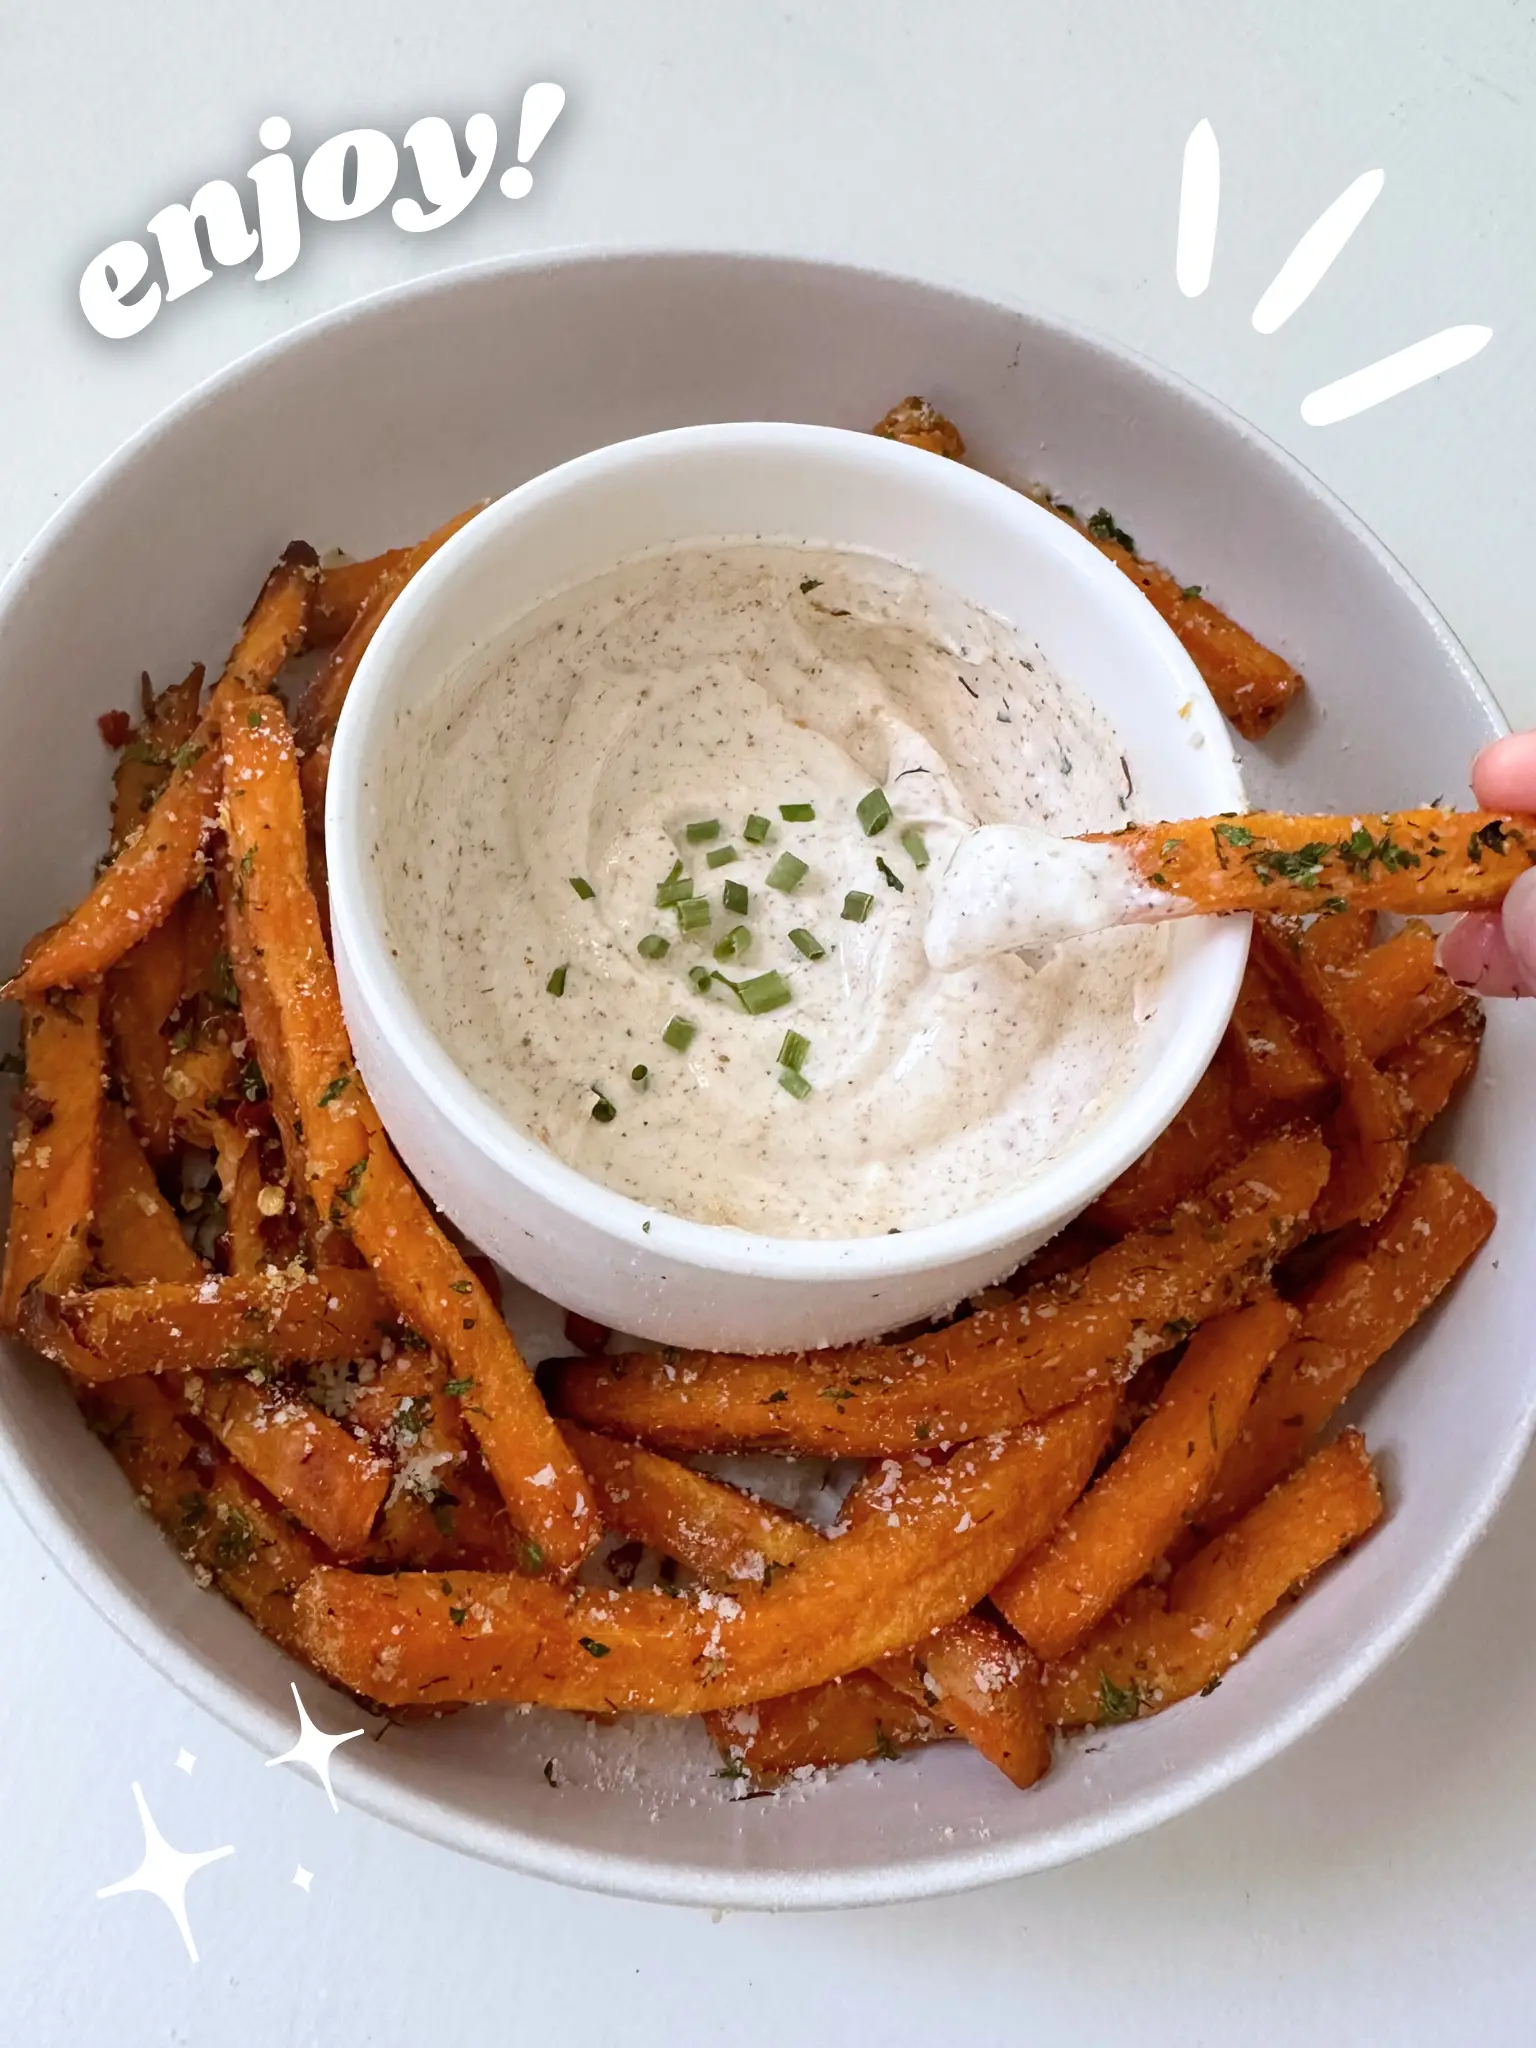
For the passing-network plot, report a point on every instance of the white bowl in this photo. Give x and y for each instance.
(374, 425)
(623, 1263)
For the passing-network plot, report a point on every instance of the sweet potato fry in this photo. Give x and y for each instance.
(349, 1171)
(312, 1466)
(219, 1521)
(992, 1369)
(141, 991)
(152, 874)
(140, 889)
(1278, 1073)
(250, 1322)
(845, 1721)
(986, 1686)
(240, 1188)
(441, 1508)
(55, 1149)
(1205, 1136)
(991, 1688)
(349, 601)
(1371, 1292)
(1251, 685)
(549, 1496)
(1120, 1528)
(716, 1529)
(144, 766)
(921, 425)
(137, 1236)
(278, 954)
(1337, 939)
(1264, 1070)
(343, 588)
(1418, 863)
(1152, 1655)
(1392, 992)
(423, 1638)
(1367, 1130)
(1431, 1069)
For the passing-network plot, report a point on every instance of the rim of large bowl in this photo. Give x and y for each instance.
(259, 1721)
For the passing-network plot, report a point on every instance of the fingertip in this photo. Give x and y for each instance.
(1504, 774)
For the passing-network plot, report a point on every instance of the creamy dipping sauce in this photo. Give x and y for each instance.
(1006, 887)
(534, 806)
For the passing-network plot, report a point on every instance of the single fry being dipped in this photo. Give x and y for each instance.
(1417, 863)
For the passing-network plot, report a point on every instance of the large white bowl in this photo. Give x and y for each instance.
(376, 424)
(626, 1264)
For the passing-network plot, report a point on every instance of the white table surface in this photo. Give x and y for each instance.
(1378, 1882)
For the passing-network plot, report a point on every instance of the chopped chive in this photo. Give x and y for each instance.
(693, 914)
(794, 1083)
(674, 890)
(702, 829)
(857, 905)
(787, 872)
(640, 1075)
(603, 1111)
(756, 829)
(701, 977)
(677, 869)
(555, 986)
(679, 1034)
(916, 846)
(892, 879)
(807, 943)
(874, 812)
(583, 888)
(797, 814)
(734, 944)
(721, 857)
(768, 991)
(654, 947)
(793, 1051)
(736, 898)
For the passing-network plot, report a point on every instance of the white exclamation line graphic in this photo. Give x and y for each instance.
(541, 110)
(1308, 263)
(1199, 206)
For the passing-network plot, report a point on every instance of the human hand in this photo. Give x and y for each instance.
(1494, 952)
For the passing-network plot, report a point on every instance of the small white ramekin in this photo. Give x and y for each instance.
(639, 1269)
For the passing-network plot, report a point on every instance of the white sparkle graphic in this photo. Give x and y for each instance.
(185, 1761)
(1385, 379)
(314, 1747)
(1300, 275)
(1199, 208)
(1309, 262)
(165, 1872)
(303, 1878)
